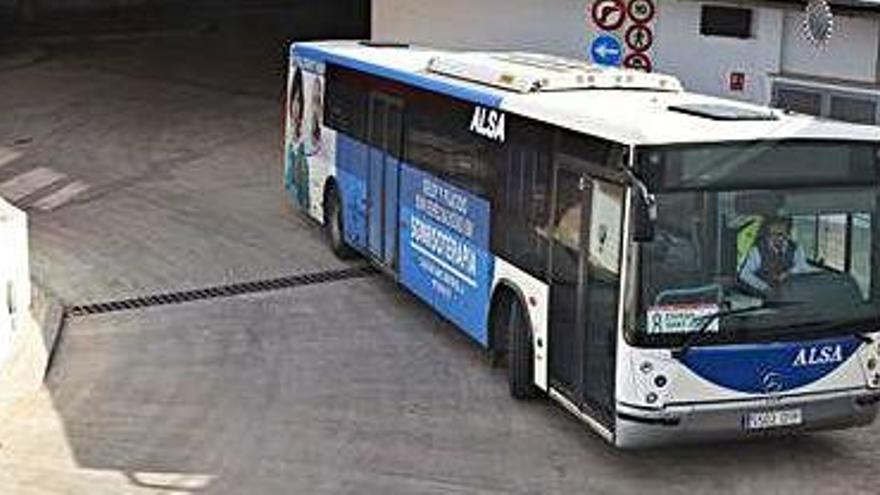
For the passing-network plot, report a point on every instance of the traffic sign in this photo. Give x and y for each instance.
(638, 61)
(606, 50)
(609, 14)
(639, 37)
(641, 11)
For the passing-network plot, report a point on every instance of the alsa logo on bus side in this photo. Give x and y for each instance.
(488, 123)
(810, 356)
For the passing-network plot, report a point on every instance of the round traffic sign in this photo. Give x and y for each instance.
(639, 37)
(638, 61)
(641, 11)
(609, 14)
(606, 50)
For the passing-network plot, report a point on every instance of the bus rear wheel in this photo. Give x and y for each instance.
(333, 226)
(520, 354)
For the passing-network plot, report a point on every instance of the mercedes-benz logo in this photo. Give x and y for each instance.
(772, 382)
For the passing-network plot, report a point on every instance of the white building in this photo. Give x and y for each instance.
(750, 50)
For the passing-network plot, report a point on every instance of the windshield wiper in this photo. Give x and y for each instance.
(691, 339)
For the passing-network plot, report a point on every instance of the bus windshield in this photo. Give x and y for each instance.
(788, 228)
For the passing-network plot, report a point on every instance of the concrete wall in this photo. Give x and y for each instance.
(851, 53)
(555, 26)
(704, 63)
(31, 316)
(15, 287)
(560, 26)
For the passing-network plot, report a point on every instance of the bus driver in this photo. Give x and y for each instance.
(773, 257)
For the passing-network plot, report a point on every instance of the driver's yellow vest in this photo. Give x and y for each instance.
(746, 237)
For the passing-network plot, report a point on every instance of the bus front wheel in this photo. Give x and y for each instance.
(333, 225)
(520, 354)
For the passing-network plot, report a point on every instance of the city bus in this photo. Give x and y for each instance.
(667, 266)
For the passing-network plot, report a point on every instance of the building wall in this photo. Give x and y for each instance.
(704, 63)
(555, 26)
(561, 27)
(851, 53)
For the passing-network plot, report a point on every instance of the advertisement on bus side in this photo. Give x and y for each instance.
(444, 249)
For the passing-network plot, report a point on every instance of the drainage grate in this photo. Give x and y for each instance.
(222, 291)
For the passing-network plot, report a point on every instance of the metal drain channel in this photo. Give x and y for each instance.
(222, 291)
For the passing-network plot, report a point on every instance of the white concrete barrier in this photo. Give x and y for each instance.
(31, 317)
(15, 282)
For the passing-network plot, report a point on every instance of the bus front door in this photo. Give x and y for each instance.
(584, 271)
(386, 140)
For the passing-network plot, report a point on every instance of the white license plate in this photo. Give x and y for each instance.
(773, 419)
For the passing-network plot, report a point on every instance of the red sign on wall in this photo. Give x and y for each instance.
(737, 81)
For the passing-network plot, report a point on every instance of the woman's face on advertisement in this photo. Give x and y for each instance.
(296, 108)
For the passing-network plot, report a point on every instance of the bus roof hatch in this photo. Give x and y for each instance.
(532, 72)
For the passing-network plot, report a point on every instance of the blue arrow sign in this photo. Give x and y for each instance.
(606, 50)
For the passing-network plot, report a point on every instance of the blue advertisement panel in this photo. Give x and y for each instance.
(351, 166)
(444, 249)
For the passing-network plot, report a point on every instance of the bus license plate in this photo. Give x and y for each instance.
(773, 419)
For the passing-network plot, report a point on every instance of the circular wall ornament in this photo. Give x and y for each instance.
(818, 21)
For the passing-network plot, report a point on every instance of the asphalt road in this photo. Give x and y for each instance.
(152, 165)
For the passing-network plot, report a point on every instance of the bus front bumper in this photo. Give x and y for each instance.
(704, 422)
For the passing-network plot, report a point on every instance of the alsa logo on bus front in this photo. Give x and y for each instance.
(488, 123)
(811, 356)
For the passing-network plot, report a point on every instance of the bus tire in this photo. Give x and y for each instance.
(333, 226)
(520, 354)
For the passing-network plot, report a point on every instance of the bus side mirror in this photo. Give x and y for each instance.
(644, 217)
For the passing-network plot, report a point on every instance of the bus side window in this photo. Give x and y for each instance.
(840, 242)
(823, 239)
(437, 138)
(521, 205)
(345, 108)
(861, 250)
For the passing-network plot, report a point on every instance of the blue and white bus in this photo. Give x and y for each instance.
(668, 266)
